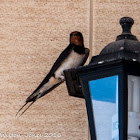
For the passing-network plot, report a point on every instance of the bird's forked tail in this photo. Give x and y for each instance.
(35, 96)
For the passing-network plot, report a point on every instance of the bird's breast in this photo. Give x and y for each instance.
(72, 61)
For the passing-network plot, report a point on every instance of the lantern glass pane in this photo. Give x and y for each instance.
(104, 98)
(133, 107)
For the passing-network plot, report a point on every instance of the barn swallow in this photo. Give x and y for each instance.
(73, 56)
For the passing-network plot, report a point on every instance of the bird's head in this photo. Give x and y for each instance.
(76, 38)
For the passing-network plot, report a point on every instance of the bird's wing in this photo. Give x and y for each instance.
(56, 65)
(61, 58)
(86, 56)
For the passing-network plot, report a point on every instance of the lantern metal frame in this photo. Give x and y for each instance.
(122, 68)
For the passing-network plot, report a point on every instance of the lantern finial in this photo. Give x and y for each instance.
(126, 23)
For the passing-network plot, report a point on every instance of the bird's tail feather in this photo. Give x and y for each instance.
(33, 97)
(25, 108)
(38, 94)
(21, 108)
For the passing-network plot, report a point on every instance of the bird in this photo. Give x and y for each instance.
(73, 56)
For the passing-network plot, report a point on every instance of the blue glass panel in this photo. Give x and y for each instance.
(104, 97)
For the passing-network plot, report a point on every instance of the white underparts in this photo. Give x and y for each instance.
(73, 60)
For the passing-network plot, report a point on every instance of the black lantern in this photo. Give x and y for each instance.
(110, 85)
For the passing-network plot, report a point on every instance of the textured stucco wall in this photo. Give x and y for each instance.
(32, 35)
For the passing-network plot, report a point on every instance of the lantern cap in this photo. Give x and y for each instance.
(125, 47)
